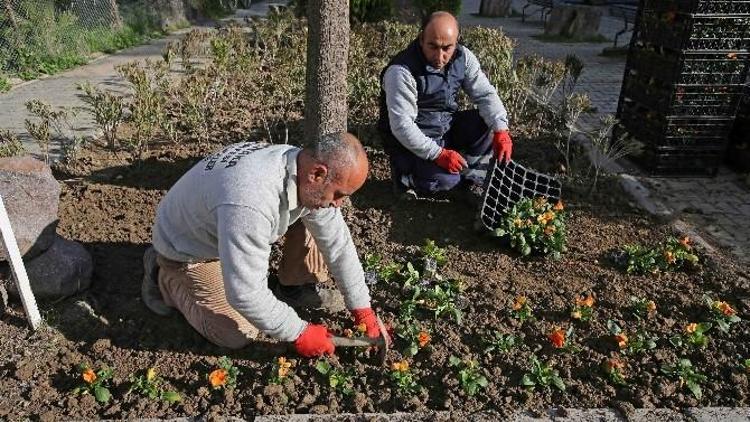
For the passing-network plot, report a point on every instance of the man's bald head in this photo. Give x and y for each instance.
(439, 38)
(331, 170)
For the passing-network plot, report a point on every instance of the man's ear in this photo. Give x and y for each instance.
(318, 174)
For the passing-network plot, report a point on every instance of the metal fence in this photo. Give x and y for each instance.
(28, 24)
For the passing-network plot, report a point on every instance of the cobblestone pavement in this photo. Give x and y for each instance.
(718, 207)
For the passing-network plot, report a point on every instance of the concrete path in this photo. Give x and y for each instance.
(60, 90)
(718, 207)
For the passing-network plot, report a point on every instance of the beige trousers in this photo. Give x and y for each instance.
(197, 290)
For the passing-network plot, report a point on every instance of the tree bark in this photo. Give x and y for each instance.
(495, 8)
(10, 13)
(114, 14)
(327, 52)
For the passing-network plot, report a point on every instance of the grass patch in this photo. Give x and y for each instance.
(596, 39)
(4, 83)
(45, 42)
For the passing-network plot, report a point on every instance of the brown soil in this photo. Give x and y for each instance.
(108, 205)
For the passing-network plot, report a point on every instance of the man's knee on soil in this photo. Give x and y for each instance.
(439, 182)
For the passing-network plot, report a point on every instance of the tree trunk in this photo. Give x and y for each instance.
(570, 21)
(495, 8)
(327, 53)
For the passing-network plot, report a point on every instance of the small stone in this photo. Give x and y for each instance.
(319, 409)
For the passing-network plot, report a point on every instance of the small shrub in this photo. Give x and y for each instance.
(501, 342)
(670, 256)
(542, 375)
(414, 335)
(10, 145)
(339, 379)
(107, 109)
(469, 375)
(94, 382)
(722, 313)
(4, 84)
(149, 384)
(535, 226)
(583, 310)
(403, 378)
(687, 375)
(614, 369)
(521, 309)
(281, 370)
(225, 376)
(693, 334)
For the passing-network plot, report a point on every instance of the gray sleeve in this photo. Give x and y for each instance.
(244, 249)
(331, 234)
(483, 94)
(401, 99)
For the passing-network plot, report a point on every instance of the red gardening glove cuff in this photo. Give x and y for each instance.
(367, 316)
(450, 160)
(502, 145)
(315, 340)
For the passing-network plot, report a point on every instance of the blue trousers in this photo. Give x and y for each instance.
(468, 135)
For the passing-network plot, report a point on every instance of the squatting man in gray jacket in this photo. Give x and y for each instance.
(432, 145)
(213, 234)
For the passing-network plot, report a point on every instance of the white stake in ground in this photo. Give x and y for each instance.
(18, 269)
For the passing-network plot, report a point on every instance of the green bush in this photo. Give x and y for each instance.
(4, 83)
(428, 6)
(46, 41)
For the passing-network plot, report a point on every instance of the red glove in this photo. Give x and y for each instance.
(451, 161)
(367, 316)
(503, 145)
(315, 340)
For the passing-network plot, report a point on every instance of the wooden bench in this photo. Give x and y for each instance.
(627, 13)
(545, 8)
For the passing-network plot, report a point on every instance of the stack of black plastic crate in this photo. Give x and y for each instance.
(684, 78)
(738, 155)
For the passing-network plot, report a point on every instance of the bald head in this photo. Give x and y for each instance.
(333, 169)
(439, 38)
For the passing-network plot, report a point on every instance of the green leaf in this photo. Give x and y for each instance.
(558, 382)
(526, 250)
(695, 389)
(526, 381)
(482, 381)
(102, 394)
(171, 397)
(323, 367)
(454, 361)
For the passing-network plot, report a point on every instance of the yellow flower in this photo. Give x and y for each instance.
(218, 378)
(151, 374)
(669, 257)
(587, 301)
(518, 222)
(576, 314)
(89, 375)
(690, 328)
(362, 327)
(519, 303)
(402, 366)
(549, 230)
(539, 202)
(284, 363)
(651, 306)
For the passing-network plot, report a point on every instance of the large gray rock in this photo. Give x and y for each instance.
(571, 21)
(63, 270)
(31, 196)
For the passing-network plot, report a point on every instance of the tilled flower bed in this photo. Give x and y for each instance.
(110, 209)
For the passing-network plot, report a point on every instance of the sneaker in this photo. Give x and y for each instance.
(150, 292)
(403, 192)
(310, 296)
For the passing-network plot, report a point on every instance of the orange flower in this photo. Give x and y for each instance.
(622, 340)
(423, 338)
(613, 364)
(362, 327)
(402, 366)
(519, 303)
(546, 217)
(218, 378)
(557, 337)
(549, 230)
(558, 206)
(587, 301)
(669, 257)
(732, 56)
(518, 222)
(685, 242)
(690, 328)
(725, 308)
(651, 306)
(89, 375)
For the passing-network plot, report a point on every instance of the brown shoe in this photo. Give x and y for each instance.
(310, 296)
